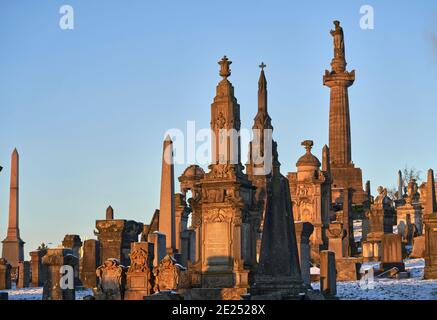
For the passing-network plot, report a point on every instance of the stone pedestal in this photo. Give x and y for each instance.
(90, 262)
(392, 252)
(328, 273)
(139, 277)
(23, 279)
(37, 267)
(5, 274)
(55, 261)
(303, 234)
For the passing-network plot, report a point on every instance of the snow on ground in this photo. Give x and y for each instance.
(36, 293)
(413, 288)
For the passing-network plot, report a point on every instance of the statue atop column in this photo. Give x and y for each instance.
(338, 36)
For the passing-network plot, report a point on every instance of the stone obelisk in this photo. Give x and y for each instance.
(430, 221)
(343, 171)
(167, 223)
(278, 276)
(13, 246)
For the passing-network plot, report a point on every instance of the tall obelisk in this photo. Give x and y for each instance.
(343, 171)
(167, 216)
(13, 246)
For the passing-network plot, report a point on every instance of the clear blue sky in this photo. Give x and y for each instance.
(87, 108)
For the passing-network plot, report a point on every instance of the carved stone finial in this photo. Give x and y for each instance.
(308, 144)
(109, 213)
(262, 65)
(224, 63)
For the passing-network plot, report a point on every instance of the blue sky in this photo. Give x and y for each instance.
(88, 108)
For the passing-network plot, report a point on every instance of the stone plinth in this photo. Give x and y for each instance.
(139, 277)
(55, 262)
(328, 273)
(23, 279)
(111, 281)
(392, 252)
(5, 274)
(37, 267)
(115, 238)
(90, 262)
(303, 234)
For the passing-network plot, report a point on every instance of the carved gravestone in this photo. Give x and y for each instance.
(5, 274)
(58, 279)
(23, 274)
(139, 277)
(36, 266)
(111, 281)
(167, 274)
(328, 273)
(90, 262)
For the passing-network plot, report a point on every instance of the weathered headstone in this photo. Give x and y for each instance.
(159, 246)
(167, 274)
(5, 274)
(111, 281)
(37, 267)
(115, 237)
(336, 235)
(139, 277)
(58, 281)
(23, 279)
(328, 273)
(303, 234)
(418, 248)
(73, 242)
(348, 269)
(90, 262)
(392, 252)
